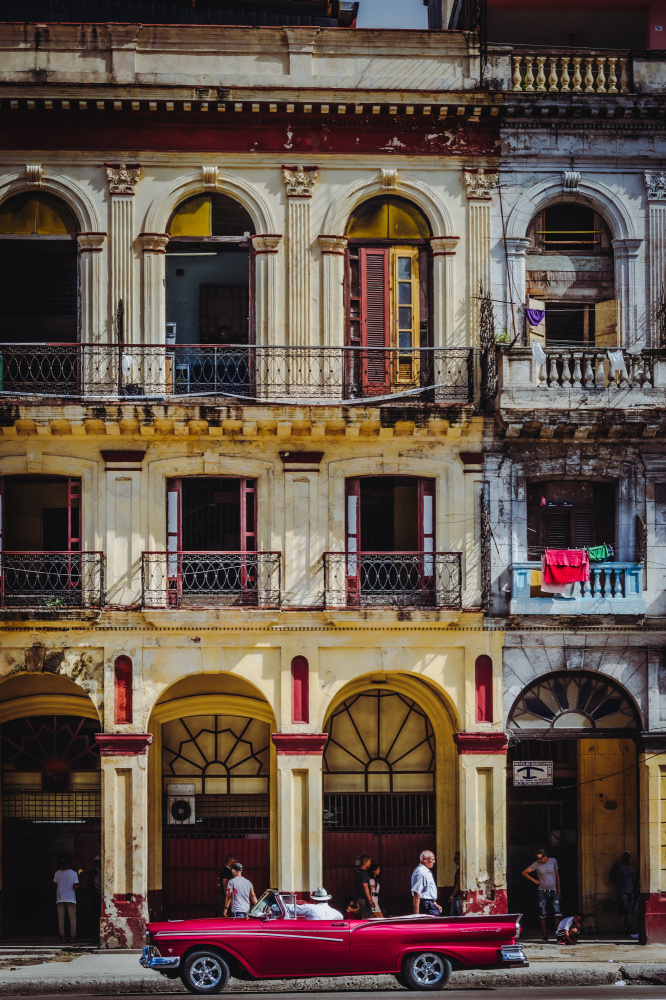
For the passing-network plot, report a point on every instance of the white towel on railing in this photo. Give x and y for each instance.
(127, 362)
(538, 353)
(616, 359)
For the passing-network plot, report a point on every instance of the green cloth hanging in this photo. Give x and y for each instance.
(599, 552)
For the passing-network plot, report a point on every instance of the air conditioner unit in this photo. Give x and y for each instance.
(180, 805)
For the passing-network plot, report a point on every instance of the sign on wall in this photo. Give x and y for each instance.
(532, 772)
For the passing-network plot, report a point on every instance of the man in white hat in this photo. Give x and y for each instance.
(318, 909)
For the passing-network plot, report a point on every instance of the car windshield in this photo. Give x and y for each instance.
(267, 906)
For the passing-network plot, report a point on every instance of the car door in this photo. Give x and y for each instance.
(304, 947)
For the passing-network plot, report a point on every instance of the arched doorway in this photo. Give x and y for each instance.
(583, 724)
(382, 765)
(210, 792)
(51, 801)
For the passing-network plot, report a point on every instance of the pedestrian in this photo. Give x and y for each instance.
(424, 890)
(623, 874)
(548, 882)
(363, 894)
(318, 909)
(374, 870)
(65, 881)
(455, 899)
(352, 909)
(224, 877)
(568, 929)
(240, 894)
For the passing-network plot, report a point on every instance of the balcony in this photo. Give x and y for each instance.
(52, 581)
(264, 374)
(211, 579)
(613, 588)
(393, 580)
(566, 72)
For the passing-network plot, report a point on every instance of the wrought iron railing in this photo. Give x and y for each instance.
(393, 579)
(211, 579)
(438, 375)
(52, 581)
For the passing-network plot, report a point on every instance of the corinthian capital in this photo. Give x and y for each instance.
(154, 242)
(655, 185)
(299, 181)
(333, 244)
(481, 184)
(122, 177)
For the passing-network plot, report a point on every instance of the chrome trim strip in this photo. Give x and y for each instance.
(216, 934)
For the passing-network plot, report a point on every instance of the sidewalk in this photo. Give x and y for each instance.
(589, 964)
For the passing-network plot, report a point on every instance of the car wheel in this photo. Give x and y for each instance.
(426, 970)
(205, 972)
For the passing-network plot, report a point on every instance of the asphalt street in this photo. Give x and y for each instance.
(526, 993)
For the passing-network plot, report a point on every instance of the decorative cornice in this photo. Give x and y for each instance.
(266, 242)
(299, 180)
(516, 246)
(299, 743)
(123, 744)
(333, 244)
(481, 184)
(651, 743)
(481, 743)
(122, 177)
(34, 173)
(154, 242)
(90, 242)
(444, 246)
(655, 185)
(388, 178)
(210, 177)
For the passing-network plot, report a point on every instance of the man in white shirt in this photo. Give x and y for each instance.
(424, 889)
(65, 881)
(319, 908)
(240, 893)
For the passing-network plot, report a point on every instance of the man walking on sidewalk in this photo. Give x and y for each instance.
(363, 894)
(424, 889)
(548, 883)
(240, 893)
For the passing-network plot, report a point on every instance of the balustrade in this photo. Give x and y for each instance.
(613, 586)
(52, 581)
(211, 579)
(566, 73)
(571, 368)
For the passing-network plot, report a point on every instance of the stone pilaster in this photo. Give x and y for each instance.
(300, 809)
(626, 254)
(299, 182)
(265, 247)
(480, 186)
(122, 179)
(443, 304)
(652, 819)
(91, 246)
(516, 249)
(655, 185)
(153, 270)
(333, 280)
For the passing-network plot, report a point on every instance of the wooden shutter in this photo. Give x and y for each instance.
(374, 275)
(558, 527)
(353, 542)
(174, 535)
(583, 532)
(73, 515)
(427, 524)
(248, 530)
(606, 323)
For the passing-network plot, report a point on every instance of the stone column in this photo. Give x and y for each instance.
(480, 185)
(93, 290)
(482, 760)
(124, 838)
(299, 182)
(122, 180)
(333, 290)
(652, 812)
(445, 333)
(265, 248)
(515, 292)
(123, 525)
(300, 810)
(626, 254)
(153, 311)
(655, 185)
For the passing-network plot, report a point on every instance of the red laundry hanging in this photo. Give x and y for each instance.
(566, 566)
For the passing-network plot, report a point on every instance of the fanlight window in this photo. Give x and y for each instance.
(219, 754)
(388, 219)
(36, 215)
(571, 700)
(211, 215)
(51, 751)
(379, 741)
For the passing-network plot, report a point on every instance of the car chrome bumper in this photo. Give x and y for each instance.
(151, 959)
(513, 954)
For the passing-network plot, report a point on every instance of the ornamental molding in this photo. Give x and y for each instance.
(655, 185)
(333, 244)
(299, 181)
(444, 246)
(122, 177)
(34, 173)
(481, 184)
(266, 242)
(388, 179)
(481, 743)
(123, 744)
(154, 242)
(210, 177)
(571, 181)
(299, 743)
(90, 242)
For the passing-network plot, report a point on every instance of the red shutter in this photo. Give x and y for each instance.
(248, 532)
(123, 690)
(174, 521)
(427, 525)
(483, 683)
(74, 515)
(353, 544)
(374, 273)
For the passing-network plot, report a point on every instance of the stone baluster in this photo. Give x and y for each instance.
(648, 376)
(601, 375)
(623, 382)
(529, 75)
(587, 589)
(553, 380)
(541, 76)
(517, 78)
(566, 371)
(624, 78)
(589, 79)
(564, 76)
(612, 76)
(576, 370)
(601, 75)
(542, 374)
(552, 76)
(589, 372)
(615, 583)
(577, 79)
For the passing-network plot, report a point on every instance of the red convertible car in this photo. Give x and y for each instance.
(275, 943)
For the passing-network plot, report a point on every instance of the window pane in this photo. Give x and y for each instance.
(404, 293)
(405, 338)
(405, 318)
(388, 218)
(404, 267)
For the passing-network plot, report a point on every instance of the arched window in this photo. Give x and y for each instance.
(208, 272)
(571, 699)
(388, 292)
(38, 270)
(300, 690)
(483, 685)
(570, 284)
(123, 690)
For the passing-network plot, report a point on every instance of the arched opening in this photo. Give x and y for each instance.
(570, 279)
(211, 792)
(385, 762)
(39, 279)
(122, 690)
(51, 801)
(388, 293)
(572, 788)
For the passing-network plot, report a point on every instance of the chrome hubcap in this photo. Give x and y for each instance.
(428, 969)
(205, 973)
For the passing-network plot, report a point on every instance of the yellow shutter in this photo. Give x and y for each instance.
(606, 323)
(193, 218)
